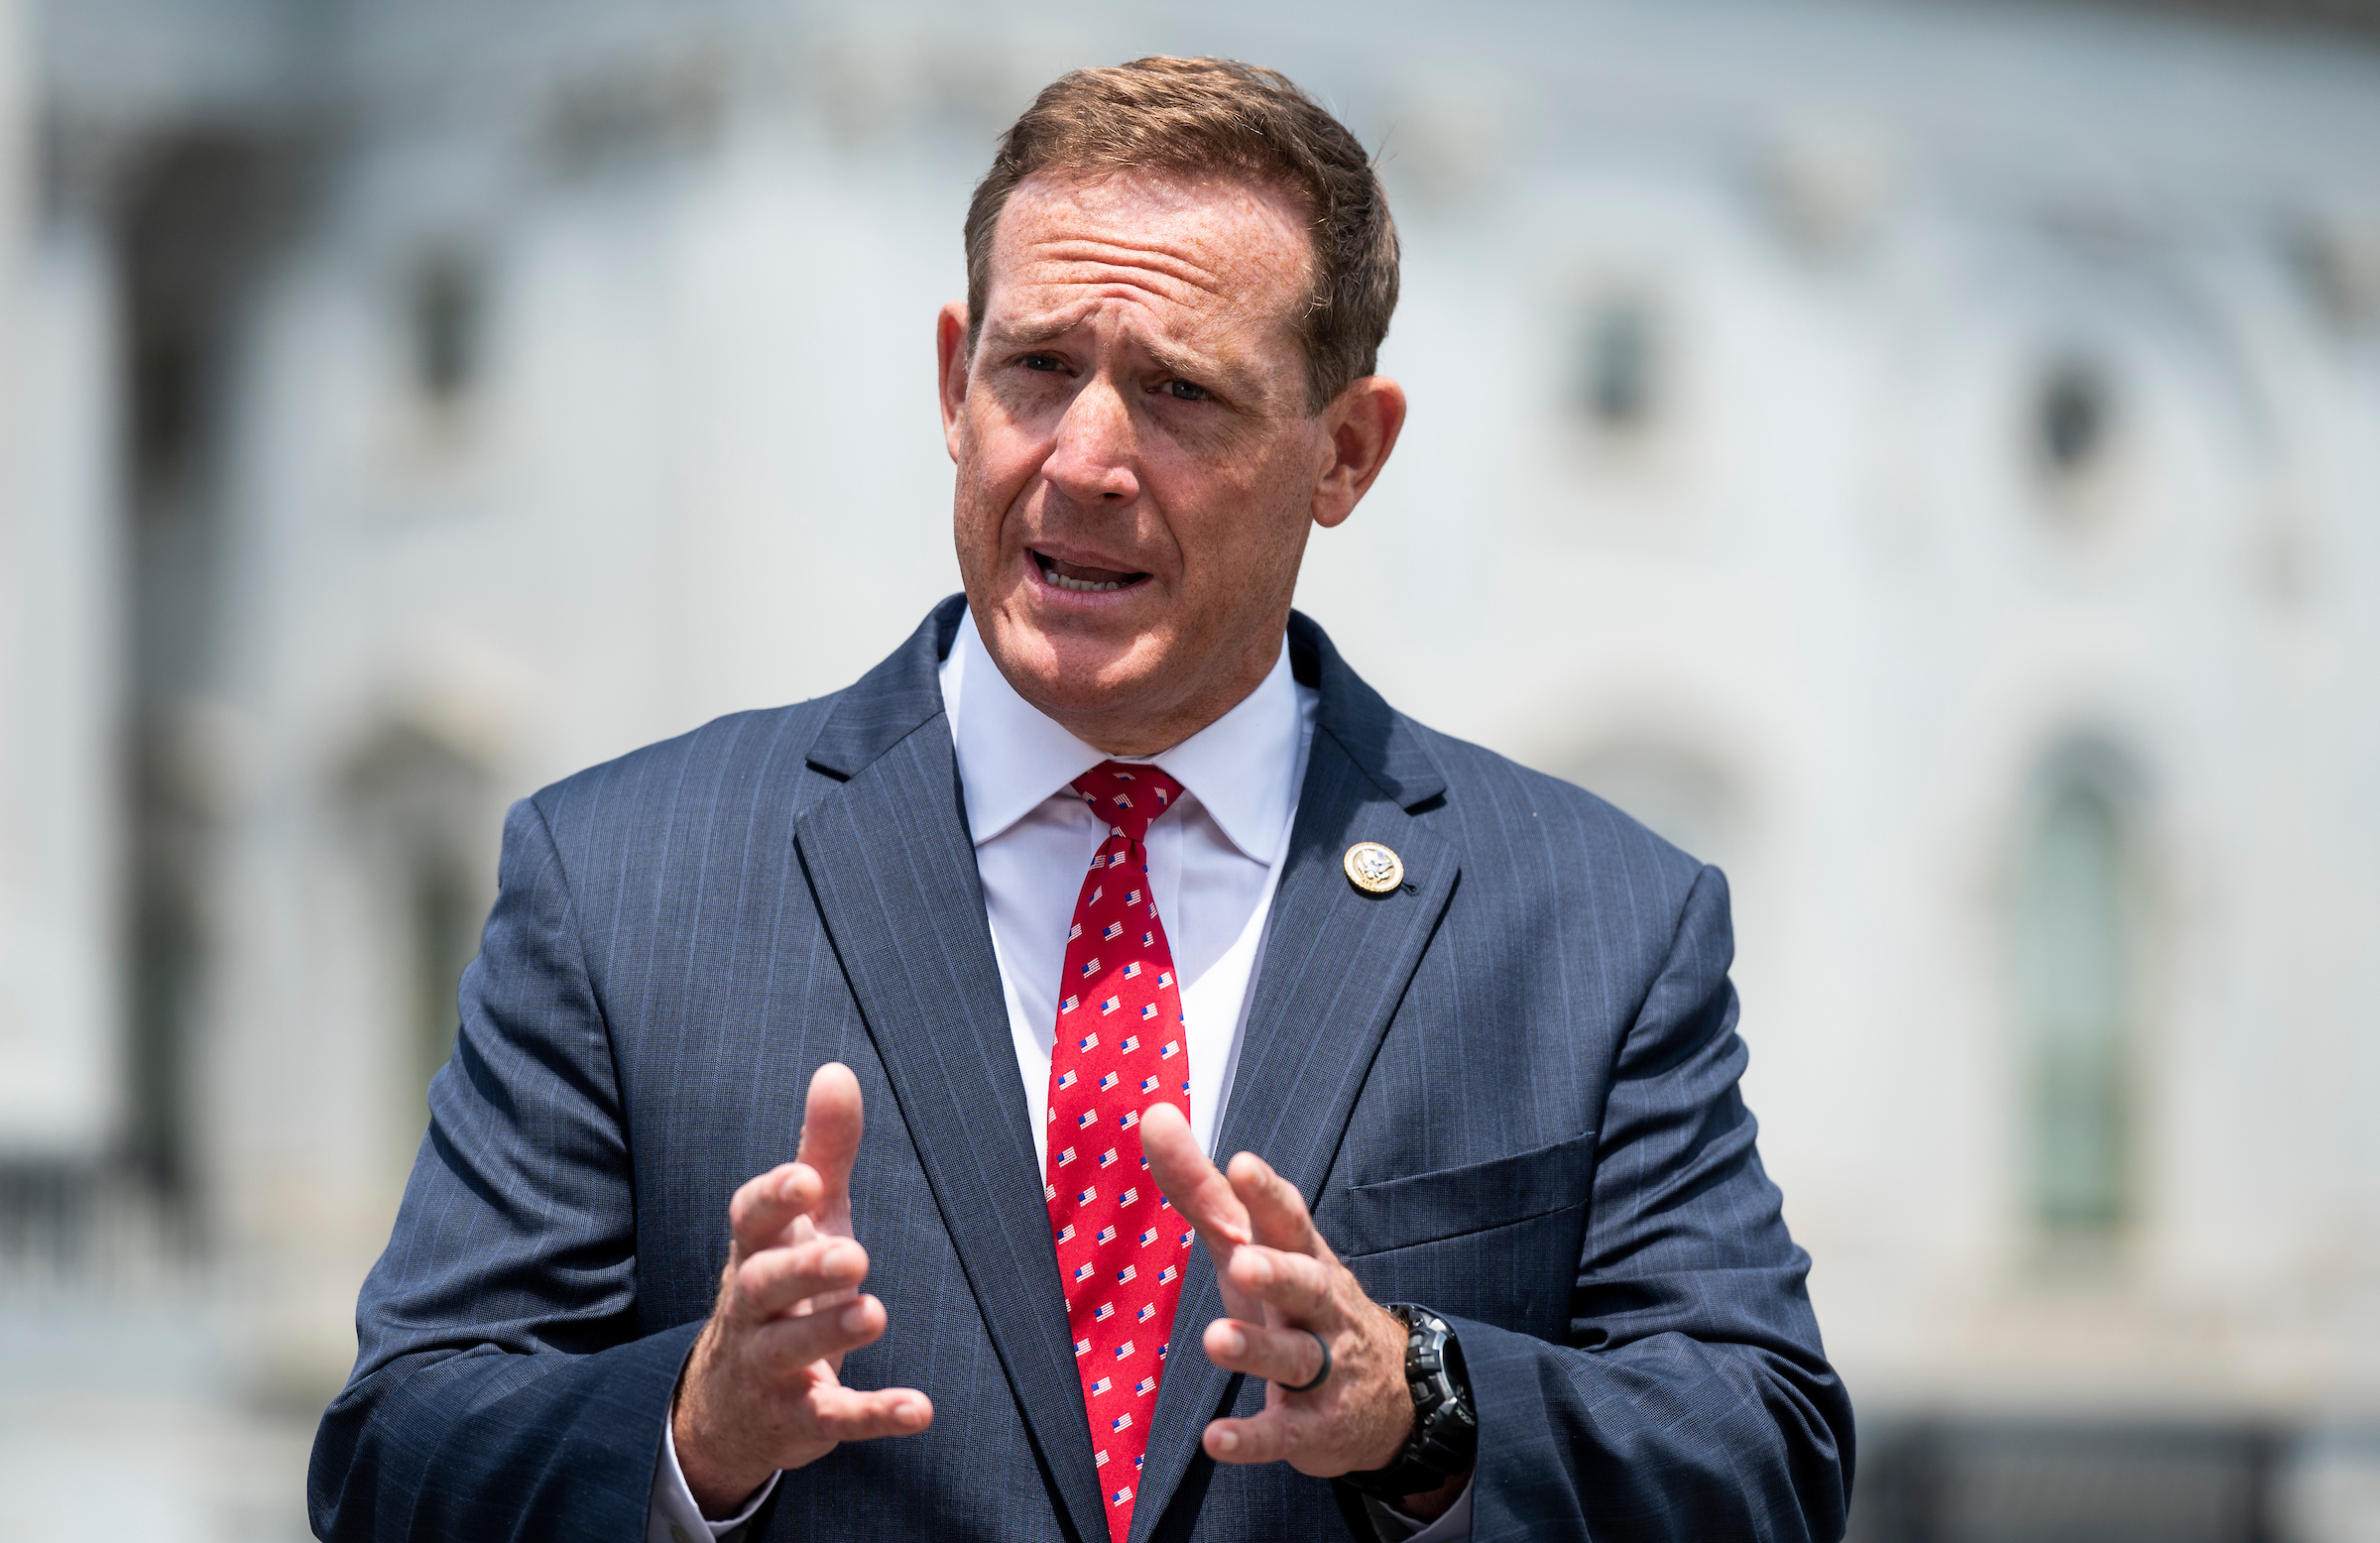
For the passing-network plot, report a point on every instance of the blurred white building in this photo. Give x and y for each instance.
(1924, 457)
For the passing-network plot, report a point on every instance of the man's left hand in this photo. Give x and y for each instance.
(1283, 1287)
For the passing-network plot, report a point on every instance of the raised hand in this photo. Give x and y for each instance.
(1284, 1288)
(763, 1389)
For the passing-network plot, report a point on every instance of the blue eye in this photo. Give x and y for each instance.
(1183, 391)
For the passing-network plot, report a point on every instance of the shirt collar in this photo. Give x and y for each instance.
(1242, 768)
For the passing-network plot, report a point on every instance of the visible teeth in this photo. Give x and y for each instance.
(1079, 586)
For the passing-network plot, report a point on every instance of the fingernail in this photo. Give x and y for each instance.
(1235, 1342)
(1227, 1440)
(855, 1318)
(906, 1413)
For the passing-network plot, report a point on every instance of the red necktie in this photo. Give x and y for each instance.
(1120, 1047)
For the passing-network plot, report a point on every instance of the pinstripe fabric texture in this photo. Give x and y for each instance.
(1508, 1090)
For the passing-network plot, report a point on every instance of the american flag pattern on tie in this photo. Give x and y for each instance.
(1120, 1047)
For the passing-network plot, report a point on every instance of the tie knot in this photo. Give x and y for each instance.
(1128, 796)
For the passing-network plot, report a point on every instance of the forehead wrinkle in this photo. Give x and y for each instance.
(1087, 252)
(1047, 324)
(1205, 296)
(1109, 283)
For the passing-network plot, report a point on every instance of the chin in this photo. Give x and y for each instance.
(1083, 664)
(1069, 664)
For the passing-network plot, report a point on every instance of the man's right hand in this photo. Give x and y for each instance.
(763, 1389)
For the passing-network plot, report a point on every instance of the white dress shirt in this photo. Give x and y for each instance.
(1214, 859)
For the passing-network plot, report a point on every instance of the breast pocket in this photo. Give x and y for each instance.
(1495, 1240)
(1477, 1197)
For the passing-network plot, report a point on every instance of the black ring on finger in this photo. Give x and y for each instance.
(1307, 1387)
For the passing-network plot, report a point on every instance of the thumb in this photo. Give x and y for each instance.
(830, 1130)
(1203, 1196)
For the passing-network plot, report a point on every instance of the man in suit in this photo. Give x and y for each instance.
(1112, 865)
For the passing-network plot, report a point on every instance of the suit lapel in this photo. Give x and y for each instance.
(889, 860)
(1335, 964)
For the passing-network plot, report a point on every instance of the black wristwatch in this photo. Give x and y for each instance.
(1445, 1428)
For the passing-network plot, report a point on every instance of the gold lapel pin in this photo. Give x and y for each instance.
(1373, 869)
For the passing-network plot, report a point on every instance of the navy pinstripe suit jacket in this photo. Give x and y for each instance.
(1508, 1091)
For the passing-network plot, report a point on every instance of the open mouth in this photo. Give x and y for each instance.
(1081, 579)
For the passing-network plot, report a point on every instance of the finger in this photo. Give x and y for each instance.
(1199, 1194)
(1290, 1358)
(1279, 1433)
(1298, 1284)
(785, 1347)
(1189, 1181)
(848, 1415)
(830, 1133)
(776, 1280)
(766, 1206)
(1277, 1212)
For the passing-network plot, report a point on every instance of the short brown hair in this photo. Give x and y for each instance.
(1217, 117)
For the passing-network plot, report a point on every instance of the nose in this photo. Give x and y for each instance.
(1091, 461)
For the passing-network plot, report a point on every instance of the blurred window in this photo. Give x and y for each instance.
(447, 306)
(2073, 419)
(2076, 988)
(199, 217)
(166, 998)
(1622, 383)
(420, 809)
(445, 908)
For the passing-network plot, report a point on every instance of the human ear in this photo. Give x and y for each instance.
(950, 350)
(1361, 426)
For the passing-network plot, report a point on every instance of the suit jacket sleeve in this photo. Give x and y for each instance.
(1692, 1399)
(501, 1390)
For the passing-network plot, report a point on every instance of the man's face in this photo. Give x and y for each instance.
(1137, 467)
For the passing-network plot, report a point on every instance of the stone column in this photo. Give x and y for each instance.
(60, 583)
